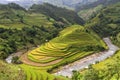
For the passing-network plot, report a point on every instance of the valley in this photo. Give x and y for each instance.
(60, 40)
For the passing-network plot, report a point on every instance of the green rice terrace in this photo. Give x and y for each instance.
(73, 43)
(65, 48)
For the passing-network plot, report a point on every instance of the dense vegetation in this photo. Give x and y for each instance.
(13, 39)
(11, 72)
(57, 13)
(107, 23)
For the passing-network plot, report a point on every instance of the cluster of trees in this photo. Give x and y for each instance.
(86, 48)
(13, 39)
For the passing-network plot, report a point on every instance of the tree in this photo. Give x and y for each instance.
(16, 60)
(91, 74)
(76, 75)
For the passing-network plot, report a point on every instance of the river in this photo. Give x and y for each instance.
(85, 62)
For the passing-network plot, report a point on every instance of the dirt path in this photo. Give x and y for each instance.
(9, 58)
(85, 62)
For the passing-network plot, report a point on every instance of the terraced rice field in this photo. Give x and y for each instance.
(67, 47)
(36, 73)
(29, 19)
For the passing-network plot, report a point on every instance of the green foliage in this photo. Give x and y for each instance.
(91, 75)
(76, 75)
(13, 39)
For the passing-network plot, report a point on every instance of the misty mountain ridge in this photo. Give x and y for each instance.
(60, 3)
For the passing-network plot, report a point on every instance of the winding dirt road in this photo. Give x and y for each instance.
(85, 62)
(77, 65)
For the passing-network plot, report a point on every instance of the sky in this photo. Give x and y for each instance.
(12, 0)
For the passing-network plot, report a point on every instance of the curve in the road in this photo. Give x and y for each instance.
(85, 62)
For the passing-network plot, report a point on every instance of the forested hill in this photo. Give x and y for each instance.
(96, 3)
(11, 6)
(107, 23)
(57, 13)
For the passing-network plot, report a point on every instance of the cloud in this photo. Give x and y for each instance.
(12, 0)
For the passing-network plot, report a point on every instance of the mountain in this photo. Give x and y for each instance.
(96, 3)
(57, 13)
(60, 3)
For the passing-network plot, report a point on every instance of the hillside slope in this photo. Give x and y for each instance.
(107, 23)
(87, 14)
(57, 13)
(90, 10)
(14, 16)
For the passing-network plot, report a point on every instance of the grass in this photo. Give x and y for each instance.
(39, 73)
(12, 72)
